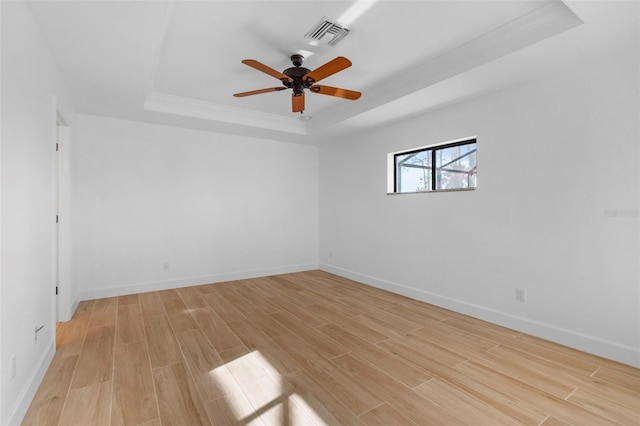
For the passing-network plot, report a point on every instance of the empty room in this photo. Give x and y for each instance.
(363, 212)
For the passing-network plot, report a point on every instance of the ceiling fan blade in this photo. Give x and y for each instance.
(265, 69)
(330, 68)
(336, 91)
(297, 102)
(257, 92)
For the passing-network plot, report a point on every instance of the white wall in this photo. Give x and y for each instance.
(215, 207)
(553, 155)
(31, 93)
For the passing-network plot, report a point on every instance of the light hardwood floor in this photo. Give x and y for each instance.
(314, 348)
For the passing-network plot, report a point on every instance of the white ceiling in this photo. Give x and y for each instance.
(178, 62)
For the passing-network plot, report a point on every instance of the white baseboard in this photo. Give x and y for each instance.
(74, 305)
(124, 290)
(591, 344)
(20, 407)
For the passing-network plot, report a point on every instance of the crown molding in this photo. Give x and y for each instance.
(195, 108)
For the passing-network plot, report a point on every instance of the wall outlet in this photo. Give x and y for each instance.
(521, 295)
(165, 266)
(14, 367)
(330, 254)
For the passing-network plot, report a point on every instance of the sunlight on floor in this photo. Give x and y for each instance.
(265, 397)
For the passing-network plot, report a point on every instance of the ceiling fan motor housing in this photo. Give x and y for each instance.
(296, 74)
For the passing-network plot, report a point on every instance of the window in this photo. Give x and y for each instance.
(436, 168)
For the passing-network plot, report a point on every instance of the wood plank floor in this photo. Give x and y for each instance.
(314, 348)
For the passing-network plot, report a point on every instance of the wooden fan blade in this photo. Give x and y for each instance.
(297, 102)
(265, 69)
(336, 91)
(257, 92)
(330, 68)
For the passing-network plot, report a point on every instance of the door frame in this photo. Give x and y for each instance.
(63, 309)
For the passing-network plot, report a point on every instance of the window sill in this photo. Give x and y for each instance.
(432, 192)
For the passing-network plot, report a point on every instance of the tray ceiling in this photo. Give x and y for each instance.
(178, 62)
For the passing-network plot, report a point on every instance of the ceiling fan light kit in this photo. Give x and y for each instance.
(299, 78)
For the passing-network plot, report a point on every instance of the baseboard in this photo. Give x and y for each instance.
(591, 344)
(124, 290)
(74, 305)
(20, 407)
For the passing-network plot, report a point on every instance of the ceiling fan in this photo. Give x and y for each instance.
(299, 78)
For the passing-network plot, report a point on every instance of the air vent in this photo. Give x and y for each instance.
(328, 32)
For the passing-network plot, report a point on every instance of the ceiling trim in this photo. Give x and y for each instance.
(188, 107)
(195, 108)
(550, 19)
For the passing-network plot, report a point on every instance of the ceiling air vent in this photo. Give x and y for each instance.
(328, 32)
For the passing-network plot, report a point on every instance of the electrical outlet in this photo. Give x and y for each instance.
(14, 367)
(521, 295)
(165, 266)
(330, 254)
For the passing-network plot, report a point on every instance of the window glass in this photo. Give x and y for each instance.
(456, 167)
(414, 172)
(436, 168)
